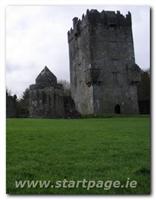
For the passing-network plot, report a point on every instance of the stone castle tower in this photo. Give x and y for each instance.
(103, 71)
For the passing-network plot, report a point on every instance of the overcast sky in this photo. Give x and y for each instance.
(37, 36)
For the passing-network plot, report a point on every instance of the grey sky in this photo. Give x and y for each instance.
(37, 36)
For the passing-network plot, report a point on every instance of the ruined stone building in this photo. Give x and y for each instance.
(48, 99)
(46, 96)
(103, 71)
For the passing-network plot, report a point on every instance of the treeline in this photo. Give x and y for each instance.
(17, 107)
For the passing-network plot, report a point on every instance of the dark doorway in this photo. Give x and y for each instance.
(117, 109)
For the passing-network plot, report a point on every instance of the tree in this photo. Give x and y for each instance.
(144, 93)
(66, 87)
(11, 104)
(144, 86)
(23, 104)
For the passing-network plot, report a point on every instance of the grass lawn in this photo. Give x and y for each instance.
(93, 149)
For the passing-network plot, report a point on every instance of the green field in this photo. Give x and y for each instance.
(75, 149)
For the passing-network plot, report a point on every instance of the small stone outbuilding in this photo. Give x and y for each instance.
(46, 96)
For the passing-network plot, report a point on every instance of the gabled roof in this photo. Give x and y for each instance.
(46, 78)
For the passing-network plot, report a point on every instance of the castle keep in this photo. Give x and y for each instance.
(103, 71)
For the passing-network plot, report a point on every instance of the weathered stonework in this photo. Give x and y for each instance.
(46, 96)
(103, 71)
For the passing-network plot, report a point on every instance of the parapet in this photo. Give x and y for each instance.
(94, 17)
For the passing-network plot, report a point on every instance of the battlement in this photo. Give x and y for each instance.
(94, 17)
